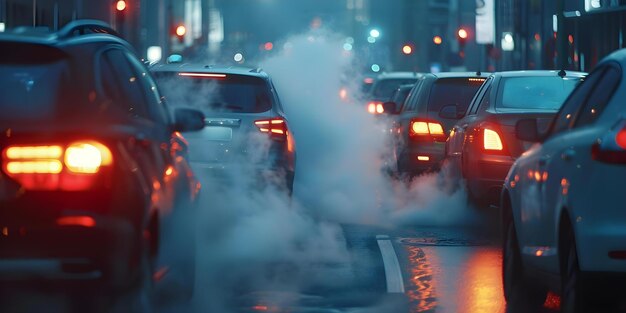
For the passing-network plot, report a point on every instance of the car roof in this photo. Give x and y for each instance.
(535, 73)
(399, 75)
(406, 86)
(461, 74)
(199, 68)
(71, 34)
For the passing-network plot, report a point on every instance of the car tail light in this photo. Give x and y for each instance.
(491, 140)
(611, 152)
(375, 108)
(56, 167)
(84, 221)
(426, 129)
(87, 157)
(276, 127)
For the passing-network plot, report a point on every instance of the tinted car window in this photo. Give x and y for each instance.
(479, 96)
(233, 93)
(544, 93)
(599, 97)
(399, 96)
(43, 87)
(575, 101)
(155, 106)
(485, 101)
(121, 84)
(458, 91)
(384, 88)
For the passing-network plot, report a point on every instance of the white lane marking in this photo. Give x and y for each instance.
(393, 274)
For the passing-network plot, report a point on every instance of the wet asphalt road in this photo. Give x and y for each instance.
(407, 269)
(429, 269)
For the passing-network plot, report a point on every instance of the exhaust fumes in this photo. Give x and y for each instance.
(254, 238)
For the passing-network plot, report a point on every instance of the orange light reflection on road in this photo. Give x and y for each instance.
(422, 293)
(482, 287)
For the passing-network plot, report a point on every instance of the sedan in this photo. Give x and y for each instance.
(482, 146)
(563, 200)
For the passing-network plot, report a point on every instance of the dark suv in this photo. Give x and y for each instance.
(94, 174)
(240, 104)
(432, 107)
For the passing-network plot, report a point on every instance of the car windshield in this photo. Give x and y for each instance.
(384, 88)
(230, 93)
(536, 93)
(457, 91)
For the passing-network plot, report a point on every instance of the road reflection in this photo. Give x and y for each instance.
(421, 293)
(482, 290)
(455, 279)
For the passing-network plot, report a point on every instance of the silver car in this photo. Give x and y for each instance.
(241, 105)
(563, 200)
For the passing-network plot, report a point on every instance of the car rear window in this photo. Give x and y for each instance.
(216, 92)
(539, 93)
(458, 91)
(384, 89)
(34, 91)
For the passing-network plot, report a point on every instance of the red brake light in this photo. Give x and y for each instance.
(620, 138)
(491, 140)
(274, 126)
(53, 167)
(375, 107)
(84, 221)
(421, 128)
(202, 75)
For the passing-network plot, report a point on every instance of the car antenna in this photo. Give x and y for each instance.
(562, 73)
(478, 73)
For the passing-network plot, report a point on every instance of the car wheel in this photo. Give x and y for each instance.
(139, 297)
(517, 291)
(572, 297)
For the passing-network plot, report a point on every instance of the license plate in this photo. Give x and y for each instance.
(218, 133)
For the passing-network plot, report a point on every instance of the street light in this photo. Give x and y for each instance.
(375, 33)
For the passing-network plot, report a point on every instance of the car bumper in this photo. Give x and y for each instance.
(85, 247)
(421, 157)
(602, 248)
(485, 176)
(227, 174)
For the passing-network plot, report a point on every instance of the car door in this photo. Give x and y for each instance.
(547, 176)
(169, 149)
(122, 82)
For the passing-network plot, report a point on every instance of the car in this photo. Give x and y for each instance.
(433, 106)
(395, 102)
(482, 145)
(239, 104)
(383, 88)
(94, 176)
(562, 203)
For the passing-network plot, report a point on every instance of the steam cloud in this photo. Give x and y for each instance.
(255, 239)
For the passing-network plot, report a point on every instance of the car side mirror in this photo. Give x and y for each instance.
(527, 130)
(450, 111)
(186, 119)
(390, 107)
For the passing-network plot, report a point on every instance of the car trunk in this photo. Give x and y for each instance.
(226, 138)
(507, 122)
